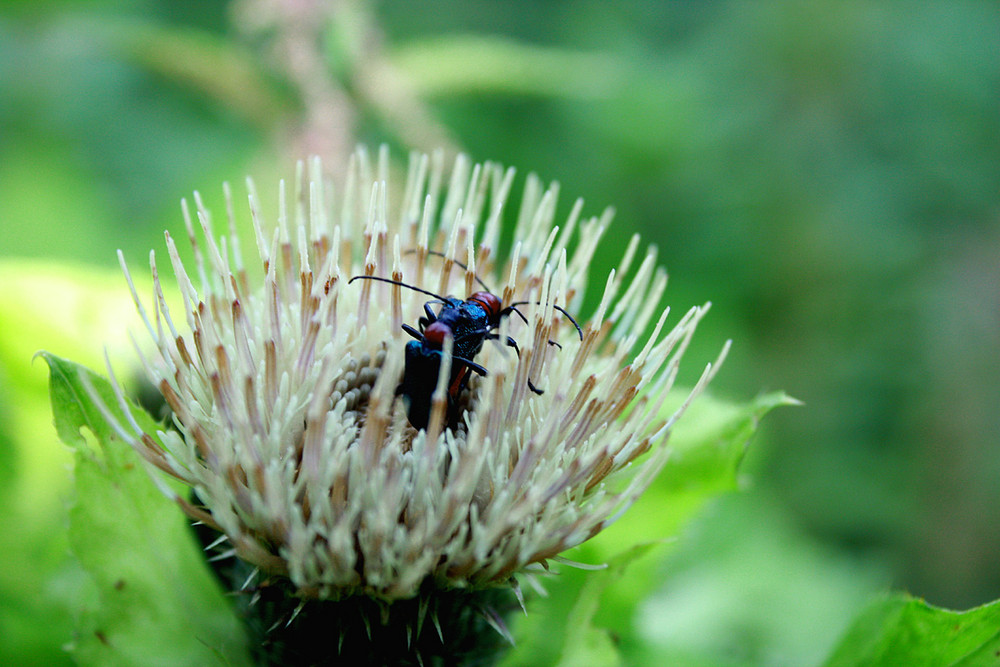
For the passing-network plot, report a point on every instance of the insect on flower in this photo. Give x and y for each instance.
(283, 380)
(469, 324)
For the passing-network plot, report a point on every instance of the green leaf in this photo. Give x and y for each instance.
(731, 591)
(574, 623)
(707, 447)
(69, 308)
(585, 644)
(560, 628)
(901, 630)
(462, 64)
(709, 441)
(158, 602)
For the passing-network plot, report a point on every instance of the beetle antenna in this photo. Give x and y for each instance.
(397, 282)
(511, 309)
(561, 310)
(463, 266)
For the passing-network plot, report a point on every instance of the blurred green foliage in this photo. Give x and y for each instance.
(53, 305)
(154, 599)
(826, 174)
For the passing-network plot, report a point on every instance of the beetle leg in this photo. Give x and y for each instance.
(431, 316)
(413, 332)
(471, 365)
(513, 344)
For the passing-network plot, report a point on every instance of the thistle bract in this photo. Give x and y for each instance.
(282, 379)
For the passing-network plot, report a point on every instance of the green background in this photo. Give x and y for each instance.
(826, 174)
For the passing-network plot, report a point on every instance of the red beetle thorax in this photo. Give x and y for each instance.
(489, 302)
(435, 333)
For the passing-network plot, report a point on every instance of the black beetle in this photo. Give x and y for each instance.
(469, 323)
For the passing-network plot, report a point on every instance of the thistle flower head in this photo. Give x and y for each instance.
(283, 376)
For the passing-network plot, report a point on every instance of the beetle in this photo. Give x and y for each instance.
(470, 323)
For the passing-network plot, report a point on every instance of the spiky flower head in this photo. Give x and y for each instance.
(282, 376)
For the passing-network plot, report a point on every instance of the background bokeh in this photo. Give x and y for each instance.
(827, 174)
